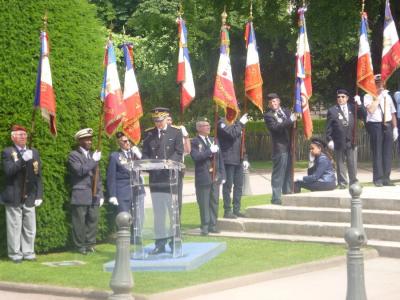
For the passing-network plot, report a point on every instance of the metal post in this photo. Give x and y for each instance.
(246, 183)
(355, 238)
(121, 280)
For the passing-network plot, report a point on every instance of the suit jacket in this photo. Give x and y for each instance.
(81, 174)
(230, 140)
(15, 170)
(120, 177)
(280, 130)
(203, 163)
(168, 146)
(336, 128)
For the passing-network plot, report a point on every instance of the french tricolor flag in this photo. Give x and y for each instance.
(224, 91)
(44, 96)
(365, 71)
(391, 46)
(252, 78)
(133, 103)
(303, 76)
(111, 94)
(184, 75)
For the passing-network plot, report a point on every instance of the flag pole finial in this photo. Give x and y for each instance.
(362, 6)
(251, 11)
(180, 11)
(224, 15)
(45, 18)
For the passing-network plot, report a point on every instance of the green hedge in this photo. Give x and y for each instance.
(77, 42)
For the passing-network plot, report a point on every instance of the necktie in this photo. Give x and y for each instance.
(344, 109)
(208, 143)
(88, 155)
(280, 114)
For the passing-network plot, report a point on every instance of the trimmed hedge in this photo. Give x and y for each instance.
(77, 42)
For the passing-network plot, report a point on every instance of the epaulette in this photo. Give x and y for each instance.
(148, 129)
(176, 127)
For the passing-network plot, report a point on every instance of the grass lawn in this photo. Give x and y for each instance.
(242, 257)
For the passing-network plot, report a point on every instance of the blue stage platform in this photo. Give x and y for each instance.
(194, 255)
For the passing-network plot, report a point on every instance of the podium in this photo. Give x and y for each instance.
(156, 209)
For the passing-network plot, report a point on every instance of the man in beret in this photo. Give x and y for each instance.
(85, 204)
(207, 180)
(279, 122)
(22, 193)
(382, 129)
(340, 136)
(123, 182)
(162, 141)
(230, 141)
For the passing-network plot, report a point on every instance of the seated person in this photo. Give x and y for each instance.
(321, 175)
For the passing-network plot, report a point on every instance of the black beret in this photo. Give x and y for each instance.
(343, 91)
(271, 96)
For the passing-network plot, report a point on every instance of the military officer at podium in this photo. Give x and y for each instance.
(162, 141)
(209, 174)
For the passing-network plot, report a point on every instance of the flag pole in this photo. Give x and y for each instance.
(180, 13)
(99, 138)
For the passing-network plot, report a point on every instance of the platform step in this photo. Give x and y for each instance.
(322, 214)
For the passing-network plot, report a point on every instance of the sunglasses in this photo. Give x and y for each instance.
(125, 141)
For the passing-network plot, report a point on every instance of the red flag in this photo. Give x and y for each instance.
(391, 46)
(44, 96)
(111, 94)
(365, 71)
(303, 76)
(133, 103)
(224, 91)
(252, 77)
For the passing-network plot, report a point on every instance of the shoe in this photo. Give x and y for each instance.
(378, 184)
(90, 249)
(341, 187)
(171, 245)
(229, 215)
(213, 230)
(276, 202)
(82, 251)
(17, 261)
(30, 259)
(157, 250)
(204, 233)
(239, 214)
(388, 183)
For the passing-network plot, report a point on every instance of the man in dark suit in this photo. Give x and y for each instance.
(279, 122)
(204, 151)
(85, 204)
(124, 184)
(23, 192)
(230, 141)
(339, 135)
(162, 141)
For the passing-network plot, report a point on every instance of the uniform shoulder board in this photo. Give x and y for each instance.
(176, 127)
(148, 129)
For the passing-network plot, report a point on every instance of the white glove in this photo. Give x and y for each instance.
(395, 134)
(293, 117)
(137, 152)
(311, 157)
(331, 145)
(214, 148)
(184, 131)
(223, 181)
(101, 202)
(38, 202)
(357, 99)
(246, 164)
(27, 155)
(298, 178)
(244, 119)
(385, 93)
(96, 155)
(113, 200)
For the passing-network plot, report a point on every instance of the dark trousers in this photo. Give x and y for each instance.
(207, 197)
(281, 177)
(234, 176)
(314, 186)
(349, 156)
(381, 138)
(84, 225)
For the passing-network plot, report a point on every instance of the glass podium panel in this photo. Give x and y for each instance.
(156, 209)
